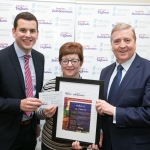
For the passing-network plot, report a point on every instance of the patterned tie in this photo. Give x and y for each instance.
(28, 80)
(115, 85)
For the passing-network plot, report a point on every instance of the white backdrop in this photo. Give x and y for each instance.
(87, 23)
(93, 26)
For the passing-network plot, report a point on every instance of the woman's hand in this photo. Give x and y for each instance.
(92, 147)
(49, 111)
(76, 145)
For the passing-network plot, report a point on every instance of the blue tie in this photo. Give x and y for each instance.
(114, 86)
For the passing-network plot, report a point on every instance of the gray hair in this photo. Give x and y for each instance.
(122, 26)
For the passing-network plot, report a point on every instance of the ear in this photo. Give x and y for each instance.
(13, 32)
(81, 63)
(37, 34)
(135, 45)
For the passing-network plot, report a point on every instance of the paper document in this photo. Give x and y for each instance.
(51, 98)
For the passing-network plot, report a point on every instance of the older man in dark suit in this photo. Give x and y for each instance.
(126, 108)
(21, 78)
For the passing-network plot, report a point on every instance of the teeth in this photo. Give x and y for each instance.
(27, 40)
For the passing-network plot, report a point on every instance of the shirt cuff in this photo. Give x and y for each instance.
(114, 116)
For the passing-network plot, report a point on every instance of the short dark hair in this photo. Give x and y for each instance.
(71, 48)
(25, 16)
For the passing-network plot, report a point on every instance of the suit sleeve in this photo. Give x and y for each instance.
(10, 105)
(137, 114)
(43, 61)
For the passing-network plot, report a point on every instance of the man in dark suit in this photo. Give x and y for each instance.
(18, 130)
(125, 111)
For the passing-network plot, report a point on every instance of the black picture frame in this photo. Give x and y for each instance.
(88, 83)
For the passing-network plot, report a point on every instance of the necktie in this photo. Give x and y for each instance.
(115, 85)
(28, 80)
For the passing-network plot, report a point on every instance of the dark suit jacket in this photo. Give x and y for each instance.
(132, 128)
(12, 91)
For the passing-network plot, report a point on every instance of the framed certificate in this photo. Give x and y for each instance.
(77, 118)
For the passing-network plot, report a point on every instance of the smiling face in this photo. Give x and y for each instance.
(69, 70)
(123, 45)
(25, 34)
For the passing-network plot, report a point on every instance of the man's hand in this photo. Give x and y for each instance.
(30, 104)
(49, 111)
(38, 130)
(103, 108)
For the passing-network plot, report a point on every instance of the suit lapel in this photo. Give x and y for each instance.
(35, 62)
(128, 76)
(16, 64)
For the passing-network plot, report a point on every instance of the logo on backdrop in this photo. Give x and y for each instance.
(6, 6)
(143, 46)
(65, 34)
(96, 70)
(112, 58)
(57, 70)
(21, 7)
(63, 22)
(54, 59)
(79, 8)
(3, 45)
(88, 47)
(103, 36)
(120, 11)
(143, 36)
(101, 47)
(83, 23)
(47, 34)
(85, 35)
(86, 11)
(45, 46)
(40, 8)
(141, 24)
(62, 10)
(103, 11)
(101, 23)
(48, 70)
(3, 19)
(5, 32)
(101, 59)
(83, 70)
(140, 13)
(33, 5)
(116, 23)
(49, 22)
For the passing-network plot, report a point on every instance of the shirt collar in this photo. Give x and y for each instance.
(19, 52)
(128, 63)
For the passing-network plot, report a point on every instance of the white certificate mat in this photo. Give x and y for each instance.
(77, 118)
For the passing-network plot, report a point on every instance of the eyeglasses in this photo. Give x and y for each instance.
(73, 61)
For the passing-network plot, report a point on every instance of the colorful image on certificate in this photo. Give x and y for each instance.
(76, 115)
